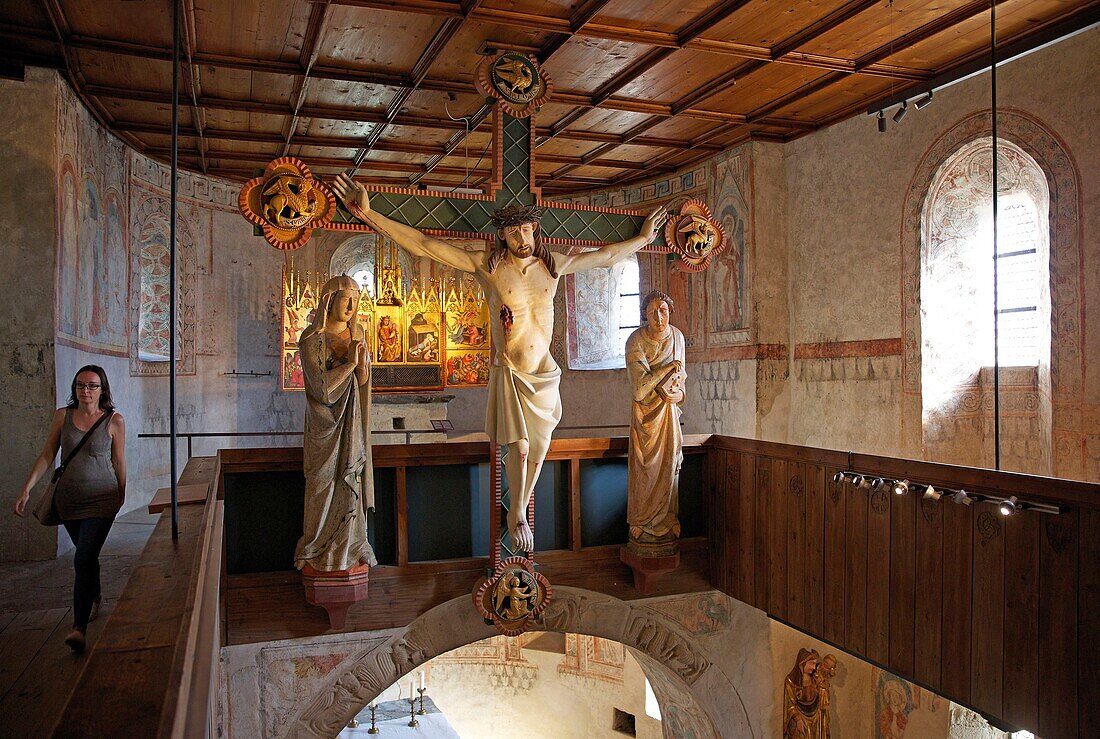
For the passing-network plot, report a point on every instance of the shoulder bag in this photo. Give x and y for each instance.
(46, 511)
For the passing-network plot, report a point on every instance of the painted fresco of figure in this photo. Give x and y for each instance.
(337, 454)
(389, 340)
(655, 364)
(520, 277)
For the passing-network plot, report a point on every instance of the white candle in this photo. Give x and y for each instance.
(421, 679)
(412, 688)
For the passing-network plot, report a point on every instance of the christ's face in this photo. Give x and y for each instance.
(656, 314)
(520, 239)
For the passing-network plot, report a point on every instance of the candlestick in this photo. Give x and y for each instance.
(421, 691)
(412, 711)
(373, 726)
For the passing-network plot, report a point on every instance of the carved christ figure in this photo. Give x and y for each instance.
(520, 277)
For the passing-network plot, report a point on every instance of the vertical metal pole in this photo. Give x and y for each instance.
(172, 291)
(996, 184)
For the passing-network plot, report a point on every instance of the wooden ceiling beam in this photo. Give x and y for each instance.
(307, 57)
(922, 33)
(804, 91)
(368, 116)
(189, 38)
(633, 71)
(581, 15)
(821, 26)
(341, 74)
(261, 158)
(351, 142)
(721, 84)
(708, 20)
(615, 32)
(476, 120)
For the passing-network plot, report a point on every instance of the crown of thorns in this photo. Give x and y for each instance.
(514, 215)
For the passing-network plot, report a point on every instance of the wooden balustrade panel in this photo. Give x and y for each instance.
(998, 613)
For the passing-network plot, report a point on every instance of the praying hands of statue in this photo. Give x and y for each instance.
(362, 360)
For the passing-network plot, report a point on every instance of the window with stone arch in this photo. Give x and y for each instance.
(956, 287)
(602, 310)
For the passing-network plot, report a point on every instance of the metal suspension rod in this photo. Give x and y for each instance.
(172, 290)
(996, 186)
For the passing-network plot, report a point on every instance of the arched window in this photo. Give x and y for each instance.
(957, 305)
(602, 310)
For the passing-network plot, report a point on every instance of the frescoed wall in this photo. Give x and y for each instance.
(93, 274)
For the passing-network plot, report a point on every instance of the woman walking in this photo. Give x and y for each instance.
(92, 487)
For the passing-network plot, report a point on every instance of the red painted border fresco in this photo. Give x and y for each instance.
(773, 352)
(838, 349)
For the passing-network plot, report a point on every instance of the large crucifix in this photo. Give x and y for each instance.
(520, 274)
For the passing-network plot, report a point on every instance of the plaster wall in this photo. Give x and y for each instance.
(279, 689)
(847, 185)
(27, 260)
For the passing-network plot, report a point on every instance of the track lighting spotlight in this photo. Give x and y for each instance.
(863, 482)
(901, 112)
(882, 121)
(901, 487)
(924, 101)
(1009, 506)
(930, 493)
(838, 478)
(878, 484)
(962, 498)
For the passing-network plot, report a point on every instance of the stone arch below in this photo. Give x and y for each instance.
(1066, 304)
(697, 698)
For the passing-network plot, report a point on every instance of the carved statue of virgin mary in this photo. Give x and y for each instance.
(337, 454)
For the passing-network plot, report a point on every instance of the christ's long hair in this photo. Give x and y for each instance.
(541, 251)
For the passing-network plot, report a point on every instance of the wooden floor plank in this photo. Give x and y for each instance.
(271, 606)
(31, 707)
(21, 641)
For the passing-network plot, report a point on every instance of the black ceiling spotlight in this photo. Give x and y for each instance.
(901, 112)
(882, 121)
(924, 101)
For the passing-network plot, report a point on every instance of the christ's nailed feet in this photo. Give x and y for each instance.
(523, 539)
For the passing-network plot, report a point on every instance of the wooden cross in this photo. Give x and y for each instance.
(466, 215)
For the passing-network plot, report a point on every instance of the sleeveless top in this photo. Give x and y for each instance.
(89, 487)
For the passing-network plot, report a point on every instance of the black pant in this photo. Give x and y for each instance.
(88, 534)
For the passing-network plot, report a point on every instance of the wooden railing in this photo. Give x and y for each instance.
(999, 613)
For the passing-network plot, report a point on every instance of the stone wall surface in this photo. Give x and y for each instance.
(733, 688)
(848, 187)
(27, 261)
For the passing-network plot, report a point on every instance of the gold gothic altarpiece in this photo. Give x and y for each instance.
(441, 322)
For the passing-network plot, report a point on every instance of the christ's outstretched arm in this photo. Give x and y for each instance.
(610, 254)
(355, 198)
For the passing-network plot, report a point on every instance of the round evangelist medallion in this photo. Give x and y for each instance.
(513, 595)
(516, 80)
(287, 203)
(695, 235)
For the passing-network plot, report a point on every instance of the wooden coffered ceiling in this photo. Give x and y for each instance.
(642, 87)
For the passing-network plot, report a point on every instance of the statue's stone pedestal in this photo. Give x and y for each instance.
(336, 591)
(648, 568)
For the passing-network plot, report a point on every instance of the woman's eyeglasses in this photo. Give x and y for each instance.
(87, 386)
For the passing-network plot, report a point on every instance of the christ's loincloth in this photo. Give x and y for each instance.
(523, 406)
